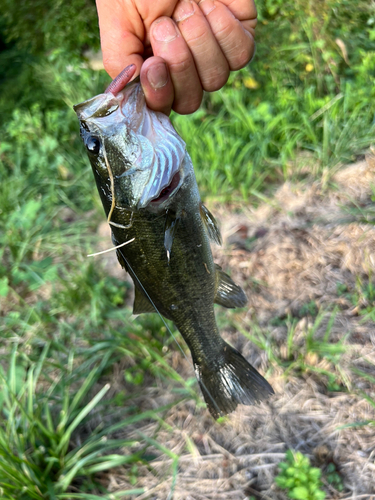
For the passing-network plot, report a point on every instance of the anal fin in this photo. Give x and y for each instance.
(228, 294)
(141, 303)
(211, 225)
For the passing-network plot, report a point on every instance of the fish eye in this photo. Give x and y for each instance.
(93, 145)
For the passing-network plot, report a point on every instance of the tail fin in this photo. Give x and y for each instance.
(229, 382)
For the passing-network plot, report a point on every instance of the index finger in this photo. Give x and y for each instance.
(121, 43)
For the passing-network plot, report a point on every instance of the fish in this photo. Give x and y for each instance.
(162, 232)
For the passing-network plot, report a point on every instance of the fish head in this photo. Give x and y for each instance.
(135, 153)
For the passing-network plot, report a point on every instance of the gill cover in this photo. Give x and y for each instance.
(138, 145)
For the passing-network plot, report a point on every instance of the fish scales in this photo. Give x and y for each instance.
(147, 185)
(188, 275)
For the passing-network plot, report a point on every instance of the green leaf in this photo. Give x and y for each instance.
(4, 286)
(319, 495)
(315, 473)
(82, 414)
(299, 493)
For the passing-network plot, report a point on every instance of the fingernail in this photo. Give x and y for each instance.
(157, 76)
(183, 10)
(164, 30)
(206, 6)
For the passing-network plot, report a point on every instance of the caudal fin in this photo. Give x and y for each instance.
(230, 381)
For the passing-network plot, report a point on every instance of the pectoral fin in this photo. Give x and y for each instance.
(228, 294)
(121, 261)
(211, 225)
(141, 303)
(171, 224)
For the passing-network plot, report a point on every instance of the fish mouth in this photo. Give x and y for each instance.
(167, 191)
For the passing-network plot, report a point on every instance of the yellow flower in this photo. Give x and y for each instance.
(309, 67)
(63, 171)
(250, 83)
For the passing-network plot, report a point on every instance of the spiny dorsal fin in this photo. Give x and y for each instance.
(141, 303)
(170, 227)
(211, 225)
(228, 294)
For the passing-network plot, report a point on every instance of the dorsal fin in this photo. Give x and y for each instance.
(210, 223)
(228, 294)
(141, 303)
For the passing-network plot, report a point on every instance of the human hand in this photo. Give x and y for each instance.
(200, 42)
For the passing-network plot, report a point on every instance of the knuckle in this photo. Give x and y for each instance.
(186, 108)
(180, 67)
(237, 45)
(224, 32)
(240, 57)
(196, 36)
(216, 82)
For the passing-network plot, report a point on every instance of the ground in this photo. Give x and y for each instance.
(305, 258)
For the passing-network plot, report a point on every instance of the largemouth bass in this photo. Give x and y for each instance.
(147, 185)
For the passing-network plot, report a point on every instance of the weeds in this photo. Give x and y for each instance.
(35, 441)
(299, 479)
(41, 453)
(308, 347)
(333, 477)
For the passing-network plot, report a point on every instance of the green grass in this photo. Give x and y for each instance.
(63, 322)
(302, 352)
(39, 454)
(50, 392)
(248, 145)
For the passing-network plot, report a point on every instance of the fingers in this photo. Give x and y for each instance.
(115, 60)
(168, 43)
(209, 59)
(204, 43)
(206, 39)
(249, 26)
(236, 42)
(120, 41)
(242, 9)
(157, 85)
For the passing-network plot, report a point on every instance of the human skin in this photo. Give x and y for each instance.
(179, 47)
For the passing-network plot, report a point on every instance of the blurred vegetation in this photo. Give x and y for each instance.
(309, 90)
(301, 481)
(40, 26)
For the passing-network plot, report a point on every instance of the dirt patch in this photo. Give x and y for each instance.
(306, 259)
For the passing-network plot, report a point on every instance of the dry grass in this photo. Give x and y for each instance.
(301, 248)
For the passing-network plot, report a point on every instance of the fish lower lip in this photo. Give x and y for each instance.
(168, 190)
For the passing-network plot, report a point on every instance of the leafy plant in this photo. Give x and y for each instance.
(40, 455)
(300, 480)
(333, 477)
